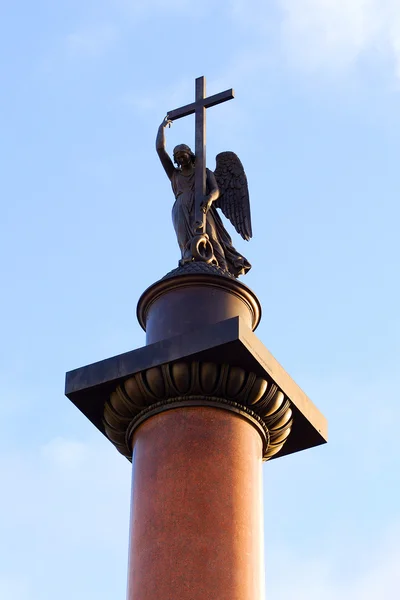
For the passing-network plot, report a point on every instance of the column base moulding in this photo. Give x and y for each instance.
(196, 401)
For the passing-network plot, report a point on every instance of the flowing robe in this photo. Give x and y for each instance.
(183, 218)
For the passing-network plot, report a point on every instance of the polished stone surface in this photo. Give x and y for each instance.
(196, 516)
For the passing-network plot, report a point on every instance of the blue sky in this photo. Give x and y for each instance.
(316, 123)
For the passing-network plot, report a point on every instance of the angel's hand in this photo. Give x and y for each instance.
(206, 204)
(166, 122)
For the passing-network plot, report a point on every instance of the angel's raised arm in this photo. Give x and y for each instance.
(161, 151)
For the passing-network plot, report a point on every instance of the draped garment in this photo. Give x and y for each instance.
(183, 218)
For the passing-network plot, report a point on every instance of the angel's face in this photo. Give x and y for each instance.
(182, 159)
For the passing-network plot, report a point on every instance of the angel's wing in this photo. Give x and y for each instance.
(234, 194)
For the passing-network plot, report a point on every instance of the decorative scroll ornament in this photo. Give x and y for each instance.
(197, 384)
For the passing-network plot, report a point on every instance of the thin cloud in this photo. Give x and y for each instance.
(91, 41)
(379, 576)
(332, 36)
(150, 99)
(137, 9)
(140, 102)
(331, 33)
(14, 588)
(64, 453)
(64, 509)
(336, 34)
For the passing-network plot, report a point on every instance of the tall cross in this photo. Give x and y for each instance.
(199, 107)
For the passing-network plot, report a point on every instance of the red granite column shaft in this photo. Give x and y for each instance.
(196, 516)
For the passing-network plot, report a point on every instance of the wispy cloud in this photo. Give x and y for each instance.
(14, 588)
(327, 35)
(333, 33)
(91, 41)
(141, 102)
(54, 475)
(63, 507)
(318, 579)
(150, 98)
(134, 8)
(336, 34)
(64, 453)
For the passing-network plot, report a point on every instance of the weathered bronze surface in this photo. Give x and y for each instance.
(198, 192)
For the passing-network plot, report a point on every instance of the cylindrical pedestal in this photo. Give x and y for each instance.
(196, 520)
(184, 303)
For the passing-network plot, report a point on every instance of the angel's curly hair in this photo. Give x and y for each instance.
(184, 148)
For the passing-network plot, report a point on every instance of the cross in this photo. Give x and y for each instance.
(199, 107)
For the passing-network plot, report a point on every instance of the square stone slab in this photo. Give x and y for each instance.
(229, 341)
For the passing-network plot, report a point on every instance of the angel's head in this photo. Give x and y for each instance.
(183, 155)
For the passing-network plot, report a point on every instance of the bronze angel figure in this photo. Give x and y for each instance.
(226, 189)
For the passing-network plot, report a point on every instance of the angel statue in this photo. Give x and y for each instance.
(226, 189)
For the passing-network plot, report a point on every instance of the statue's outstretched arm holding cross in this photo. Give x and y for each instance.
(186, 165)
(161, 148)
